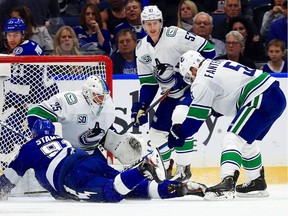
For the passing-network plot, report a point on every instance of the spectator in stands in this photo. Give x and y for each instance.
(202, 26)
(133, 9)
(232, 10)
(278, 28)
(186, 11)
(246, 9)
(234, 49)
(113, 16)
(66, 42)
(276, 53)
(17, 41)
(253, 48)
(124, 60)
(92, 37)
(278, 11)
(36, 33)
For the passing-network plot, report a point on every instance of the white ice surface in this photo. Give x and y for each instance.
(274, 205)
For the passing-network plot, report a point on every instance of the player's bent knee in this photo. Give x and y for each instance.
(157, 137)
(233, 141)
(179, 114)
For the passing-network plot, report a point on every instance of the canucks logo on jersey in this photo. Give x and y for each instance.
(163, 72)
(92, 136)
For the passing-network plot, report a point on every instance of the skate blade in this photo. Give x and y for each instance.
(227, 195)
(256, 194)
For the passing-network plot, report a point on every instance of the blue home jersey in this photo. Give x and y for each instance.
(45, 155)
(28, 48)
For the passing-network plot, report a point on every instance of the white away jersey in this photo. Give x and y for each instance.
(80, 126)
(225, 86)
(159, 62)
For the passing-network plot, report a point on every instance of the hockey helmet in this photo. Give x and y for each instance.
(151, 12)
(95, 90)
(15, 24)
(43, 127)
(188, 60)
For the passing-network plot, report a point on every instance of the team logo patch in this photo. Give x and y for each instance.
(71, 98)
(163, 72)
(82, 119)
(146, 59)
(18, 50)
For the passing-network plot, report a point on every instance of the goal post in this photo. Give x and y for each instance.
(31, 79)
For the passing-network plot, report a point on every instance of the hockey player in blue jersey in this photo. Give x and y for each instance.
(71, 173)
(252, 98)
(158, 55)
(17, 44)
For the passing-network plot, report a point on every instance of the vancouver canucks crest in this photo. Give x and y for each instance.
(163, 72)
(92, 136)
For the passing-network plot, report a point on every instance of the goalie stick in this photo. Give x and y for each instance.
(159, 100)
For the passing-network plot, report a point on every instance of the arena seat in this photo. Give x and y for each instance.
(217, 18)
(71, 20)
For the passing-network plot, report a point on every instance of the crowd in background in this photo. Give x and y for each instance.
(113, 28)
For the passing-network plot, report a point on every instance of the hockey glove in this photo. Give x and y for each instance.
(176, 137)
(138, 116)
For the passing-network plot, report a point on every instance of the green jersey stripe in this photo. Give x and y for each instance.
(38, 111)
(251, 86)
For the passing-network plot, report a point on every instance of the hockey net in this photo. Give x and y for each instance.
(28, 80)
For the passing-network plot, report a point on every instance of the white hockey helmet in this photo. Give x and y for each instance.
(95, 91)
(190, 59)
(151, 12)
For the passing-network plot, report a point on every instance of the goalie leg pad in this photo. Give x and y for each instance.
(127, 148)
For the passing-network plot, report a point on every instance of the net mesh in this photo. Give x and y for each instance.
(31, 83)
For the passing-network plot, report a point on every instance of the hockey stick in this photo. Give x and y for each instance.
(159, 100)
(14, 131)
(140, 160)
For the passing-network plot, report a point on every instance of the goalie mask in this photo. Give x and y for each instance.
(95, 91)
(190, 59)
(43, 127)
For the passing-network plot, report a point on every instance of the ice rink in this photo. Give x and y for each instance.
(274, 205)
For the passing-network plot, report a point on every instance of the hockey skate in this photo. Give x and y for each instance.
(182, 174)
(254, 188)
(188, 188)
(152, 167)
(225, 190)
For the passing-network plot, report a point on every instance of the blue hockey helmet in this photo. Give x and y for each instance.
(43, 127)
(15, 24)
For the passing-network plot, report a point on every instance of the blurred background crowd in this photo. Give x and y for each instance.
(251, 32)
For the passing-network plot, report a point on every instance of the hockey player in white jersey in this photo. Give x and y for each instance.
(86, 117)
(158, 55)
(255, 101)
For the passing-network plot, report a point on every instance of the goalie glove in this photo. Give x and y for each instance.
(176, 137)
(138, 116)
(127, 148)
